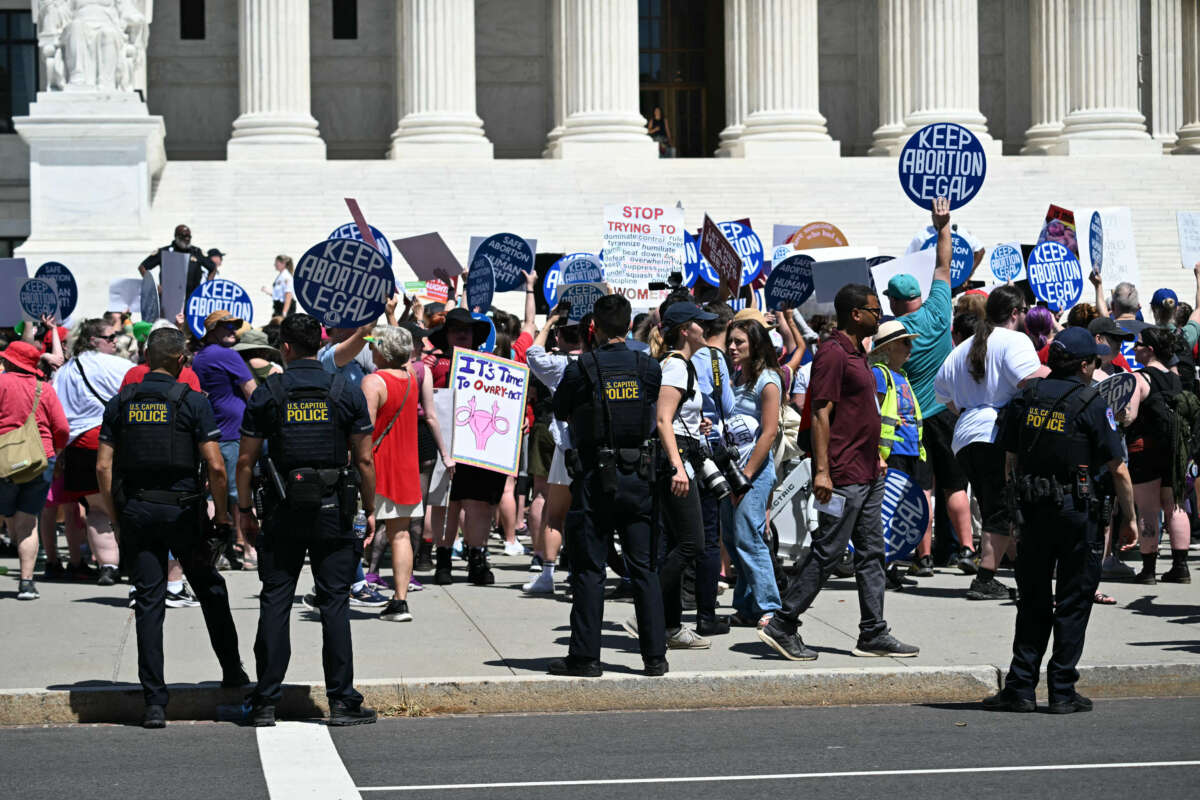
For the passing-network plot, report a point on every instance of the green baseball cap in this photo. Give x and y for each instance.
(903, 287)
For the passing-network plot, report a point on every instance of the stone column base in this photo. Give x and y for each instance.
(275, 137)
(1091, 146)
(584, 149)
(1189, 141)
(727, 141)
(786, 148)
(1040, 139)
(418, 147)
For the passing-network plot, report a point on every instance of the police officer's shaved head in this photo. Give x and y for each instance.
(164, 347)
(302, 333)
(611, 314)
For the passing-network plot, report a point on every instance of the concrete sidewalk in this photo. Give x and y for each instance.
(72, 655)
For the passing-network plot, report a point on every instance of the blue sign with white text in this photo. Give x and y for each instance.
(217, 295)
(58, 276)
(1096, 242)
(489, 344)
(350, 231)
(344, 283)
(1055, 275)
(508, 255)
(696, 264)
(38, 298)
(582, 297)
(905, 515)
(790, 282)
(962, 260)
(481, 286)
(571, 268)
(942, 160)
(747, 244)
(1006, 262)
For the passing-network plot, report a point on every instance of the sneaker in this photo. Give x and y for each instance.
(368, 598)
(155, 717)
(788, 645)
(655, 667)
(26, 590)
(576, 667)
(542, 584)
(1075, 702)
(514, 548)
(396, 611)
(1114, 567)
(55, 571)
(884, 644)
(374, 579)
(1177, 574)
(415, 585)
(922, 567)
(342, 714)
(965, 560)
(182, 599)
(687, 639)
(991, 590)
(133, 597)
(108, 576)
(1008, 700)
(536, 563)
(718, 627)
(1145, 577)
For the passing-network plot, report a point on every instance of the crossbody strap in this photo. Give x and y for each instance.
(407, 391)
(87, 383)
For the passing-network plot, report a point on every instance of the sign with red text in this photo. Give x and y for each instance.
(642, 244)
(489, 409)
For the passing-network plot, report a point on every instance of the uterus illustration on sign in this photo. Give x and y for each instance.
(482, 423)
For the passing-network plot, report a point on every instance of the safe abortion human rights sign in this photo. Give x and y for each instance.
(344, 283)
(942, 160)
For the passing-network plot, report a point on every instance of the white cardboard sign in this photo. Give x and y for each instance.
(489, 408)
(1189, 237)
(1120, 252)
(919, 264)
(13, 273)
(642, 243)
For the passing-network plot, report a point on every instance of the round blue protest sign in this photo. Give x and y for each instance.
(344, 283)
(148, 297)
(508, 255)
(571, 268)
(481, 285)
(39, 298)
(1006, 262)
(1096, 242)
(942, 160)
(350, 231)
(489, 344)
(790, 282)
(582, 297)
(962, 259)
(747, 244)
(739, 303)
(217, 295)
(1117, 390)
(905, 515)
(696, 264)
(1055, 275)
(58, 276)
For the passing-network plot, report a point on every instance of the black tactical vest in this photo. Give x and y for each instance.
(1051, 443)
(307, 433)
(618, 414)
(154, 450)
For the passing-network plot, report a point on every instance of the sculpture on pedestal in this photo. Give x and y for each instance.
(92, 45)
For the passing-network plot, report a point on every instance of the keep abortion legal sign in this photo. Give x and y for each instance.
(344, 283)
(942, 160)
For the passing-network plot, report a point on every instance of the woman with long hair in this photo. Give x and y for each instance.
(1149, 436)
(981, 376)
(1039, 326)
(753, 426)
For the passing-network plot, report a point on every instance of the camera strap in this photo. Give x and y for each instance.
(691, 389)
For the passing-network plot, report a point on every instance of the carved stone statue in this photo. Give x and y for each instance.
(91, 45)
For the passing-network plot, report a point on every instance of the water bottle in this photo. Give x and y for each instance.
(360, 525)
(3, 570)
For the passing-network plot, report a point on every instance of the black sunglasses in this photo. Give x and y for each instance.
(875, 312)
(108, 338)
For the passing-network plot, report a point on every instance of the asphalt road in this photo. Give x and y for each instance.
(734, 752)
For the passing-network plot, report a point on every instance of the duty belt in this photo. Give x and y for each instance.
(166, 497)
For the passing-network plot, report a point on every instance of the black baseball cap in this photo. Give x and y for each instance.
(214, 252)
(1106, 327)
(679, 313)
(1080, 343)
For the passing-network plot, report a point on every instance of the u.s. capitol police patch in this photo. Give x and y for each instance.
(1112, 421)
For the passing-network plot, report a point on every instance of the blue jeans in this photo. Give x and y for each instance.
(229, 453)
(742, 528)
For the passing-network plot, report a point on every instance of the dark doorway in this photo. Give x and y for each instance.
(681, 65)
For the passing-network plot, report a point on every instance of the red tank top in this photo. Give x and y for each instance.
(397, 473)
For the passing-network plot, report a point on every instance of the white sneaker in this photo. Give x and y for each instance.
(687, 639)
(542, 584)
(514, 548)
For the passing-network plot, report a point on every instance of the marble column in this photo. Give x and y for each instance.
(276, 120)
(945, 65)
(600, 99)
(435, 57)
(736, 76)
(1049, 39)
(1104, 116)
(1166, 72)
(784, 119)
(558, 77)
(895, 76)
(1189, 133)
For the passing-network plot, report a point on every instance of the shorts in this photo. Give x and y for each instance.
(1147, 461)
(28, 498)
(558, 469)
(937, 436)
(426, 447)
(912, 466)
(79, 471)
(229, 452)
(541, 450)
(476, 483)
(386, 509)
(983, 463)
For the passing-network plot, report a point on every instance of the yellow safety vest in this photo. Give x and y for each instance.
(889, 413)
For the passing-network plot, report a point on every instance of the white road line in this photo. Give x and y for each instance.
(300, 761)
(775, 777)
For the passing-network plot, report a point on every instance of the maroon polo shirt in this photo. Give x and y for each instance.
(841, 376)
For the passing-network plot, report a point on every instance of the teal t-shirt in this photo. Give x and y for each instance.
(932, 345)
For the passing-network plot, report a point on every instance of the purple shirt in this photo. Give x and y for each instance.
(222, 372)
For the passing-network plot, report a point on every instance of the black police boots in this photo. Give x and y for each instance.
(478, 571)
(441, 573)
(342, 714)
(155, 717)
(424, 559)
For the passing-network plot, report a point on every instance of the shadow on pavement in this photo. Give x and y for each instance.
(115, 602)
(1145, 605)
(1181, 646)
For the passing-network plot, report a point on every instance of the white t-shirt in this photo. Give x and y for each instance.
(282, 286)
(800, 382)
(687, 418)
(83, 409)
(1010, 359)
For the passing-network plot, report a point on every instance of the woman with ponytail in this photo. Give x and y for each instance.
(980, 377)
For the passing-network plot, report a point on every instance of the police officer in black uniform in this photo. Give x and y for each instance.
(318, 464)
(608, 394)
(154, 438)
(198, 263)
(1058, 434)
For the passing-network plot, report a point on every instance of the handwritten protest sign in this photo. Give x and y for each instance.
(38, 298)
(173, 282)
(344, 283)
(642, 243)
(489, 407)
(806, 237)
(582, 297)
(58, 276)
(1189, 237)
(508, 255)
(962, 259)
(748, 246)
(1120, 251)
(1007, 263)
(1096, 242)
(725, 259)
(571, 268)
(919, 264)
(942, 160)
(1055, 275)
(217, 295)
(1117, 390)
(351, 231)
(429, 257)
(148, 305)
(481, 285)
(790, 283)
